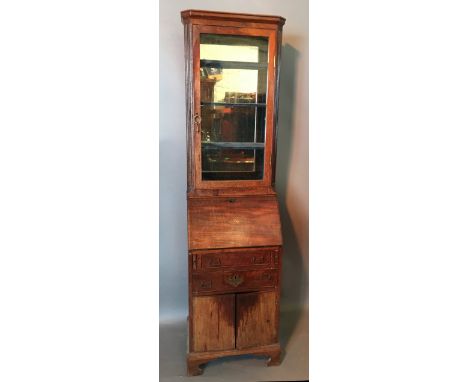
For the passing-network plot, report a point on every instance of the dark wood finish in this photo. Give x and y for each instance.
(189, 106)
(239, 192)
(194, 16)
(233, 281)
(275, 122)
(253, 258)
(229, 222)
(234, 229)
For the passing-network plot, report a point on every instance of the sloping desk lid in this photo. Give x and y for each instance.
(222, 222)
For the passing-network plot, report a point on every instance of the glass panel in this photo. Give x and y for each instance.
(233, 124)
(215, 48)
(219, 163)
(219, 84)
(233, 86)
(233, 48)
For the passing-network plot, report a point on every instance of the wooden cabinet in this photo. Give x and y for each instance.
(232, 66)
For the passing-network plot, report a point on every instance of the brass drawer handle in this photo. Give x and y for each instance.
(266, 276)
(259, 260)
(214, 262)
(205, 284)
(235, 280)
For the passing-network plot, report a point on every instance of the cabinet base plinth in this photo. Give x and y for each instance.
(193, 368)
(196, 359)
(275, 358)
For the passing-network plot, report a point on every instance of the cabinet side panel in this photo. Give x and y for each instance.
(189, 104)
(275, 121)
(213, 323)
(256, 319)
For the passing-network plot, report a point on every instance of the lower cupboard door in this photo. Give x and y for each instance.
(256, 319)
(213, 323)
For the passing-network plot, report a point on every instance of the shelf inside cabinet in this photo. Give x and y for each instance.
(227, 104)
(232, 64)
(233, 145)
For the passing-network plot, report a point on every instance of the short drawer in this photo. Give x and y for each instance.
(257, 259)
(228, 281)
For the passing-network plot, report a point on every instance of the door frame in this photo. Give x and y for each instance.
(270, 105)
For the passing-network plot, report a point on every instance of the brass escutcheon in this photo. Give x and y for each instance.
(258, 260)
(235, 280)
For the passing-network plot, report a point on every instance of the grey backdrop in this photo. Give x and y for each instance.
(292, 158)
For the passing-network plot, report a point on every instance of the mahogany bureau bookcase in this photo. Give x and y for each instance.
(232, 64)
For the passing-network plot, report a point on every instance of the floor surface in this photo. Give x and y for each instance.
(294, 336)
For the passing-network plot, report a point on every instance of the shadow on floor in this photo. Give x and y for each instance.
(245, 368)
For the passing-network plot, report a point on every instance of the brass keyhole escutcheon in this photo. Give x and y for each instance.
(235, 280)
(197, 120)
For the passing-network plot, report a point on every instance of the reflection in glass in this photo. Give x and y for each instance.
(233, 86)
(228, 48)
(231, 164)
(233, 124)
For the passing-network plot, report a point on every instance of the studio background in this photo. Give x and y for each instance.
(292, 155)
(388, 160)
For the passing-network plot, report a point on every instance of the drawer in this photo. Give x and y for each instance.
(256, 259)
(231, 281)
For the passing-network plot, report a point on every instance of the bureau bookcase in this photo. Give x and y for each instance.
(232, 64)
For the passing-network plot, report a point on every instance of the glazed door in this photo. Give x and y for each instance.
(234, 98)
(256, 319)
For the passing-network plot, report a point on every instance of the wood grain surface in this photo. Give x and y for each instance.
(233, 222)
(231, 19)
(255, 258)
(255, 319)
(222, 281)
(213, 323)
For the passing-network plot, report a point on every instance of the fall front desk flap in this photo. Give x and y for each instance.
(233, 222)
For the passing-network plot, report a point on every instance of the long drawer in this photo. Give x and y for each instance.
(232, 281)
(255, 258)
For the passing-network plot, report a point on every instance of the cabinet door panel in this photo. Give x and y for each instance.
(256, 319)
(213, 323)
(233, 88)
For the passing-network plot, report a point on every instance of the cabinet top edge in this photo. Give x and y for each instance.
(191, 15)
